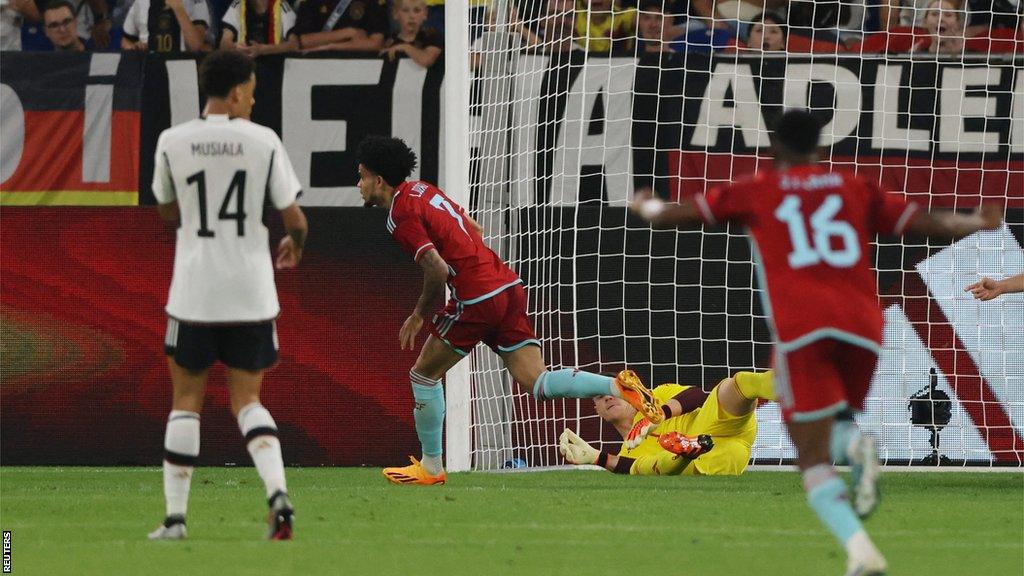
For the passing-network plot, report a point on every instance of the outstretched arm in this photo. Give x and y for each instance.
(577, 451)
(663, 214)
(953, 225)
(987, 288)
(435, 273)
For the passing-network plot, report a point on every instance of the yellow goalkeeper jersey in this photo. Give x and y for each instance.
(733, 435)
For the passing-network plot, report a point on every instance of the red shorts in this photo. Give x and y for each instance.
(500, 322)
(823, 378)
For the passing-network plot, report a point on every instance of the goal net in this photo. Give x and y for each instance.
(563, 129)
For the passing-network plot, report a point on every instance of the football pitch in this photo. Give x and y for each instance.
(350, 521)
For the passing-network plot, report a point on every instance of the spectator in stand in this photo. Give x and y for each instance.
(255, 23)
(506, 39)
(605, 27)
(61, 27)
(13, 13)
(556, 33)
(767, 34)
(836, 21)
(423, 45)
(654, 29)
(362, 27)
(731, 13)
(983, 15)
(945, 30)
(166, 26)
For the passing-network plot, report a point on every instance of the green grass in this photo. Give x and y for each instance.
(349, 521)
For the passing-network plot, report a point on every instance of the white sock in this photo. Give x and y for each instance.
(432, 464)
(860, 546)
(260, 431)
(181, 451)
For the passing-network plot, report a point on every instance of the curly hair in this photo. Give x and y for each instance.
(797, 130)
(222, 70)
(389, 158)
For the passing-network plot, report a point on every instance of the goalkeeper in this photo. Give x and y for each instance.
(702, 434)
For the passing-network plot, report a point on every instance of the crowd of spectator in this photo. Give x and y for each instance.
(414, 28)
(258, 27)
(630, 27)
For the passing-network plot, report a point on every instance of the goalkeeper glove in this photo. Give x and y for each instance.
(638, 432)
(575, 449)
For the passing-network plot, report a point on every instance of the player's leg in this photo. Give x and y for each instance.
(811, 393)
(248, 351)
(189, 355)
(849, 445)
(519, 348)
(435, 359)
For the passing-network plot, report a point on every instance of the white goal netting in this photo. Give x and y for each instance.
(564, 128)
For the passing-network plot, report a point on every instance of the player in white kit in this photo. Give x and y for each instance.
(213, 175)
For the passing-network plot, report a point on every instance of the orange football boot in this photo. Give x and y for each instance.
(413, 474)
(633, 391)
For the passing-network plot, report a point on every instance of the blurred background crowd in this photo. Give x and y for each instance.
(415, 28)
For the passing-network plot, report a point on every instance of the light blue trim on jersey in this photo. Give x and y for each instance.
(819, 414)
(450, 321)
(391, 221)
(515, 347)
(833, 333)
(490, 294)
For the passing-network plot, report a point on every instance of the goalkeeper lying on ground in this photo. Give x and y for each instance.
(702, 433)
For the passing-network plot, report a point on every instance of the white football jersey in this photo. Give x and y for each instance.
(220, 171)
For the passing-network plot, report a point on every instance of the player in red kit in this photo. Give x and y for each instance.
(810, 231)
(487, 304)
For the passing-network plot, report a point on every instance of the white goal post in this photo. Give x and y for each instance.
(546, 141)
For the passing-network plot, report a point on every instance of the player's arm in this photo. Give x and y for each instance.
(951, 224)
(169, 212)
(289, 251)
(987, 288)
(435, 273)
(577, 451)
(163, 185)
(663, 214)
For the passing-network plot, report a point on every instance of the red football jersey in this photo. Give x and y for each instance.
(810, 230)
(422, 217)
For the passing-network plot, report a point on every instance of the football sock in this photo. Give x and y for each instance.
(429, 416)
(181, 452)
(844, 434)
(754, 385)
(569, 383)
(260, 431)
(826, 493)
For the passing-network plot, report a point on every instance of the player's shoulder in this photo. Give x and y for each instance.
(417, 189)
(179, 132)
